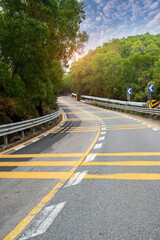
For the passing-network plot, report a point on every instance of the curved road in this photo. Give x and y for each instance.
(96, 176)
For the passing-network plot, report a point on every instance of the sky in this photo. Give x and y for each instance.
(107, 19)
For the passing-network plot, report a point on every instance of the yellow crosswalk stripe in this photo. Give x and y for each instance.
(91, 119)
(129, 154)
(124, 163)
(43, 155)
(74, 163)
(38, 163)
(34, 175)
(125, 176)
(69, 155)
(64, 175)
(79, 112)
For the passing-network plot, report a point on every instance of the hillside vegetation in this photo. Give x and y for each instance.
(108, 71)
(37, 38)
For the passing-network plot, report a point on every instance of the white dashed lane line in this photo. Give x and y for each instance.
(98, 145)
(101, 138)
(155, 129)
(103, 133)
(90, 158)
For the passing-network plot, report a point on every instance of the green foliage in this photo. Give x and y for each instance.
(37, 38)
(108, 71)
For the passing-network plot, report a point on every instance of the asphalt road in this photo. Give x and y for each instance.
(95, 177)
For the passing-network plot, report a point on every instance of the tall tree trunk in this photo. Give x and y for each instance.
(40, 109)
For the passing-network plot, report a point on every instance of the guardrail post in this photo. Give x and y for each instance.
(33, 130)
(5, 140)
(42, 126)
(22, 134)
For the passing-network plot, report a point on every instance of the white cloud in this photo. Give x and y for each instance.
(98, 18)
(154, 21)
(109, 7)
(154, 5)
(97, 1)
(150, 14)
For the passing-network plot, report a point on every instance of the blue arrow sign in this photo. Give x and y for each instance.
(129, 91)
(150, 88)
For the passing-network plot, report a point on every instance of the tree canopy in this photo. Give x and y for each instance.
(108, 71)
(37, 38)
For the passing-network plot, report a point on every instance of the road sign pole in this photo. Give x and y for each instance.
(128, 97)
(150, 96)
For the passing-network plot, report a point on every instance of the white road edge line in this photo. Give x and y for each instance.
(35, 140)
(43, 221)
(17, 148)
(45, 135)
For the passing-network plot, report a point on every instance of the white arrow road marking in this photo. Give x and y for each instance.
(43, 221)
(90, 158)
(17, 148)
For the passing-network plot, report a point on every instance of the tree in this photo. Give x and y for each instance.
(37, 38)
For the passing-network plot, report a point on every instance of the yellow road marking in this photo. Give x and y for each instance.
(76, 107)
(43, 155)
(34, 175)
(80, 131)
(20, 227)
(38, 163)
(94, 130)
(125, 176)
(129, 154)
(83, 113)
(68, 113)
(90, 119)
(72, 163)
(62, 175)
(125, 163)
(62, 155)
(77, 128)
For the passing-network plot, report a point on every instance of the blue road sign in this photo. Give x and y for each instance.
(150, 88)
(129, 91)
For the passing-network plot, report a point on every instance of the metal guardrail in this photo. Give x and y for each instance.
(8, 129)
(127, 107)
(138, 104)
